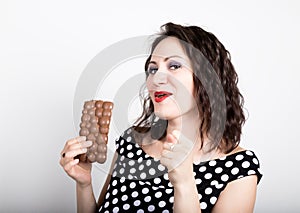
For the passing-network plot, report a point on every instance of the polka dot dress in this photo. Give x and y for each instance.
(140, 183)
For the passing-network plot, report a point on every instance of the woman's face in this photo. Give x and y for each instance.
(170, 80)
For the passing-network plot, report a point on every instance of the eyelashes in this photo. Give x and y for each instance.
(173, 66)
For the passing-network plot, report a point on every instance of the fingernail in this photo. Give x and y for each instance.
(89, 143)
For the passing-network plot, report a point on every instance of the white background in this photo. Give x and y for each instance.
(45, 46)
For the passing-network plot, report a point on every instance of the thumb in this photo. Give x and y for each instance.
(173, 137)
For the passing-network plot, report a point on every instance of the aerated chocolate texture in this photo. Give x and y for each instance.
(95, 120)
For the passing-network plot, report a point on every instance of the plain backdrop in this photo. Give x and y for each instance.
(46, 45)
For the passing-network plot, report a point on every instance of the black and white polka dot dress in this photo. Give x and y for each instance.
(140, 183)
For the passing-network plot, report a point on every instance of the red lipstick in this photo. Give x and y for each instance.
(161, 96)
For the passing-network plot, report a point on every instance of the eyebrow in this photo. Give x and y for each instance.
(167, 58)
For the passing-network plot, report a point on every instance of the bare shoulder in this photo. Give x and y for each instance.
(242, 191)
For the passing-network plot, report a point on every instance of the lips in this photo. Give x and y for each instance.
(160, 96)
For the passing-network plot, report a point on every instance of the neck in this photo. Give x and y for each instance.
(188, 124)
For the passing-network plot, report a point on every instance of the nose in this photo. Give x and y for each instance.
(160, 77)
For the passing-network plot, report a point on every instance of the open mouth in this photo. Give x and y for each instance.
(161, 96)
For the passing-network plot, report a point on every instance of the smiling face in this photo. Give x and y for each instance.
(170, 80)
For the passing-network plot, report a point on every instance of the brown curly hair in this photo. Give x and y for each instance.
(209, 92)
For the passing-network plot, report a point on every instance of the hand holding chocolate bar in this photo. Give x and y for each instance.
(95, 121)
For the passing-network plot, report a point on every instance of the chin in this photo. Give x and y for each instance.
(166, 114)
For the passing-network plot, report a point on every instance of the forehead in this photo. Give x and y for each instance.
(168, 47)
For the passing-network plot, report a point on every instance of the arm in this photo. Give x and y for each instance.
(186, 197)
(85, 199)
(238, 196)
(179, 161)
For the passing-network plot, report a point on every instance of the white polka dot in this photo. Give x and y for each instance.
(132, 185)
(214, 182)
(199, 196)
(171, 200)
(223, 158)
(161, 167)
(137, 203)
(139, 152)
(124, 197)
(129, 147)
(166, 177)
(114, 182)
(129, 139)
(234, 171)
(240, 176)
(219, 186)
(126, 206)
(123, 188)
(152, 171)
(158, 194)
(255, 161)
(212, 163)
(121, 171)
(106, 204)
(156, 180)
(122, 158)
(107, 195)
(143, 175)
(134, 194)
(239, 157)
(147, 198)
(251, 172)
(170, 184)
(151, 208)
(208, 176)
(203, 205)
(198, 181)
(148, 162)
(141, 167)
(129, 131)
(115, 191)
(130, 177)
(131, 162)
(114, 174)
(121, 150)
(140, 160)
(202, 169)
(245, 164)
(122, 179)
(228, 163)
(140, 211)
(130, 155)
(116, 209)
(115, 200)
(161, 204)
(145, 190)
(208, 190)
(169, 191)
(224, 177)
(122, 142)
(218, 170)
(165, 211)
(248, 152)
(132, 170)
(213, 200)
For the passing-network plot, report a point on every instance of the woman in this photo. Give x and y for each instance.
(183, 153)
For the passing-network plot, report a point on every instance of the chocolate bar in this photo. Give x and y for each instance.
(95, 120)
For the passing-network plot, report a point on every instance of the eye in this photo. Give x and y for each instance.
(174, 65)
(152, 70)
